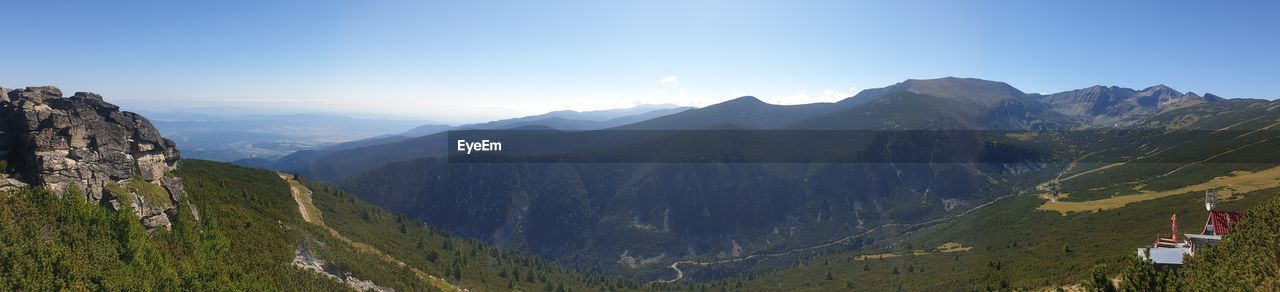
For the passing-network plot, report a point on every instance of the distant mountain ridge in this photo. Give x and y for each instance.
(583, 120)
(589, 214)
(1101, 105)
(948, 102)
(968, 89)
(746, 112)
(342, 159)
(942, 103)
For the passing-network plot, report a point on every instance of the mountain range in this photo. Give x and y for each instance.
(590, 215)
(946, 103)
(1100, 105)
(96, 198)
(390, 147)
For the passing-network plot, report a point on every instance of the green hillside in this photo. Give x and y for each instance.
(64, 243)
(249, 233)
(1013, 247)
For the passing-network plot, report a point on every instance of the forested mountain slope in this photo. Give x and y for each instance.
(636, 219)
(251, 236)
(1157, 169)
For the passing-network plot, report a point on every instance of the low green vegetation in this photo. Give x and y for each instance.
(1224, 137)
(148, 191)
(53, 243)
(151, 192)
(248, 234)
(1248, 259)
(266, 231)
(467, 263)
(1013, 246)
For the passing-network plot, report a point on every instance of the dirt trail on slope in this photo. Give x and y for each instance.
(1238, 182)
(1221, 154)
(1044, 187)
(311, 214)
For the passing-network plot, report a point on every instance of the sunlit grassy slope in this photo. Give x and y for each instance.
(249, 233)
(1014, 246)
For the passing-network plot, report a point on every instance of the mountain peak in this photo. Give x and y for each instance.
(1161, 88)
(967, 89)
(745, 100)
(950, 80)
(1118, 105)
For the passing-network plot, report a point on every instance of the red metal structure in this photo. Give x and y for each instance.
(1221, 222)
(1169, 242)
(1169, 251)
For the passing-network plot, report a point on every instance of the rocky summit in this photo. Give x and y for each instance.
(88, 145)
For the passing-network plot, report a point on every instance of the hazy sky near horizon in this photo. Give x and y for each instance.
(468, 61)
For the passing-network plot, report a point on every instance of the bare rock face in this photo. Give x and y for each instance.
(86, 143)
(1107, 106)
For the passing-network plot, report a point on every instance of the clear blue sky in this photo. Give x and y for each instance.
(476, 60)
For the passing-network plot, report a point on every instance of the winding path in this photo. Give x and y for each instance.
(680, 274)
(311, 214)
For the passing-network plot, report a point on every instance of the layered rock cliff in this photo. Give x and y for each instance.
(84, 143)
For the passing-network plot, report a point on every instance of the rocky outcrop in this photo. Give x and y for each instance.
(1109, 106)
(85, 143)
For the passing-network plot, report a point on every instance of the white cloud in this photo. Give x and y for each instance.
(803, 96)
(670, 80)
